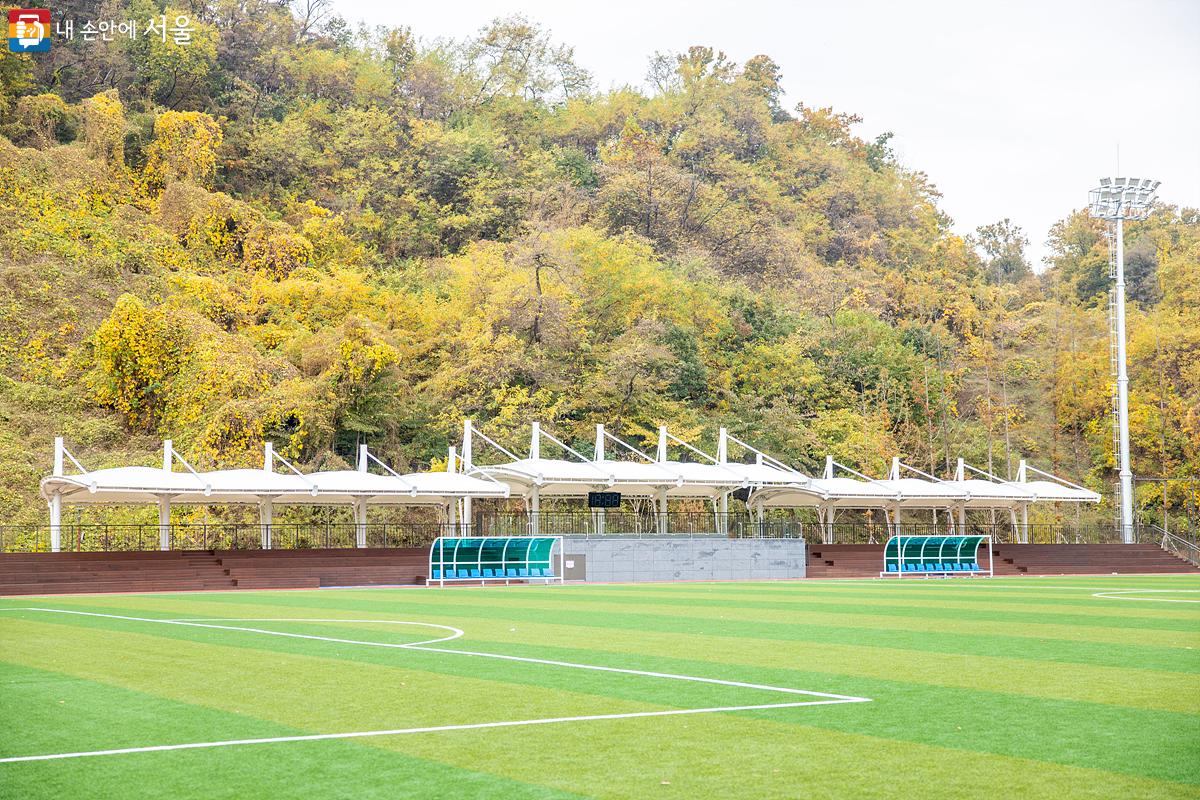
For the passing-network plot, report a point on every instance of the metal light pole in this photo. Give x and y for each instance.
(1116, 200)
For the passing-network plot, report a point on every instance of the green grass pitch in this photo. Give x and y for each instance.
(1031, 687)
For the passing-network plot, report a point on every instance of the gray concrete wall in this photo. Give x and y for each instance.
(618, 558)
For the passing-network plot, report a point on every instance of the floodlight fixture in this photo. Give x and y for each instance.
(1123, 198)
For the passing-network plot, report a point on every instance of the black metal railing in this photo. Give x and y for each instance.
(217, 536)
(293, 536)
(742, 526)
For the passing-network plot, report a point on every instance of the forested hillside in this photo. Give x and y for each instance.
(296, 231)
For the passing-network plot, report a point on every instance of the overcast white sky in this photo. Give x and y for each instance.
(1013, 108)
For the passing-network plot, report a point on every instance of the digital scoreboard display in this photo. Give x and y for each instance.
(604, 499)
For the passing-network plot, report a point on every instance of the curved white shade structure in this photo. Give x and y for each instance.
(916, 493)
(126, 485)
(553, 477)
(1051, 492)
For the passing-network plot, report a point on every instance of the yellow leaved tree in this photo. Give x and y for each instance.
(134, 355)
(184, 149)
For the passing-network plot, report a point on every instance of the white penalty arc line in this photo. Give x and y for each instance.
(1120, 595)
(826, 697)
(187, 623)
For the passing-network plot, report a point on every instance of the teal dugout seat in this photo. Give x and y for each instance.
(934, 555)
(495, 558)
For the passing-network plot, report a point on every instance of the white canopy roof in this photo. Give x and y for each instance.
(554, 477)
(990, 494)
(148, 485)
(774, 484)
(836, 492)
(918, 493)
(904, 492)
(1049, 491)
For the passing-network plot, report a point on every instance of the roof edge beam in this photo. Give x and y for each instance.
(269, 459)
(672, 437)
(628, 447)
(762, 457)
(170, 455)
(1022, 477)
(469, 429)
(366, 456)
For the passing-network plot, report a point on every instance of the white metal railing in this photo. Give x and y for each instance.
(1177, 545)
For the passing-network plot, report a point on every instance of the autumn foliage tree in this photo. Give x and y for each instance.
(300, 232)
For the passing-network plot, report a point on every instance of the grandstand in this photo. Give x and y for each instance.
(617, 514)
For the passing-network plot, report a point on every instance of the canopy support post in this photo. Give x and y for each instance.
(661, 504)
(1025, 523)
(266, 514)
(56, 498)
(359, 505)
(55, 522)
(467, 464)
(164, 522)
(535, 511)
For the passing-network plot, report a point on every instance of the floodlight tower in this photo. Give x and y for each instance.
(1116, 200)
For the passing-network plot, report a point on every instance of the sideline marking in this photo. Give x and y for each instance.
(402, 731)
(1118, 595)
(826, 697)
(959, 583)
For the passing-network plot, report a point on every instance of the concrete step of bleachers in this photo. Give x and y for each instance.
(1088, 559)
(159, 571)
(866, 560)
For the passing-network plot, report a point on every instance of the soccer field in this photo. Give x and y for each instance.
(1030, 687)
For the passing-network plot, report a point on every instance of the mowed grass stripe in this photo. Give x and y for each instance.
(1147, 742)
(735, 756)
(906, 708)
(356, 688)
(932, 623)
(1118, 686)
(1106, 613)
(1127, 685)
(725, 756)
(738, 623)
(886, 593)
(1089, 610)
(1085, 609)
(60, 713)
(928, 616)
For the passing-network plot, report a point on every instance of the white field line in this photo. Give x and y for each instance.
(827, 698)
(958, 583)
(455, 632)
(1120, 595)
(316, 737)
(840, 698)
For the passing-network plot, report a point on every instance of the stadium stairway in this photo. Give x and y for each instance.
(866, 560)
(1086, 559)
(62, 573)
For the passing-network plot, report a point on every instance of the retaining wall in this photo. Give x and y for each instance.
(627, 559)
